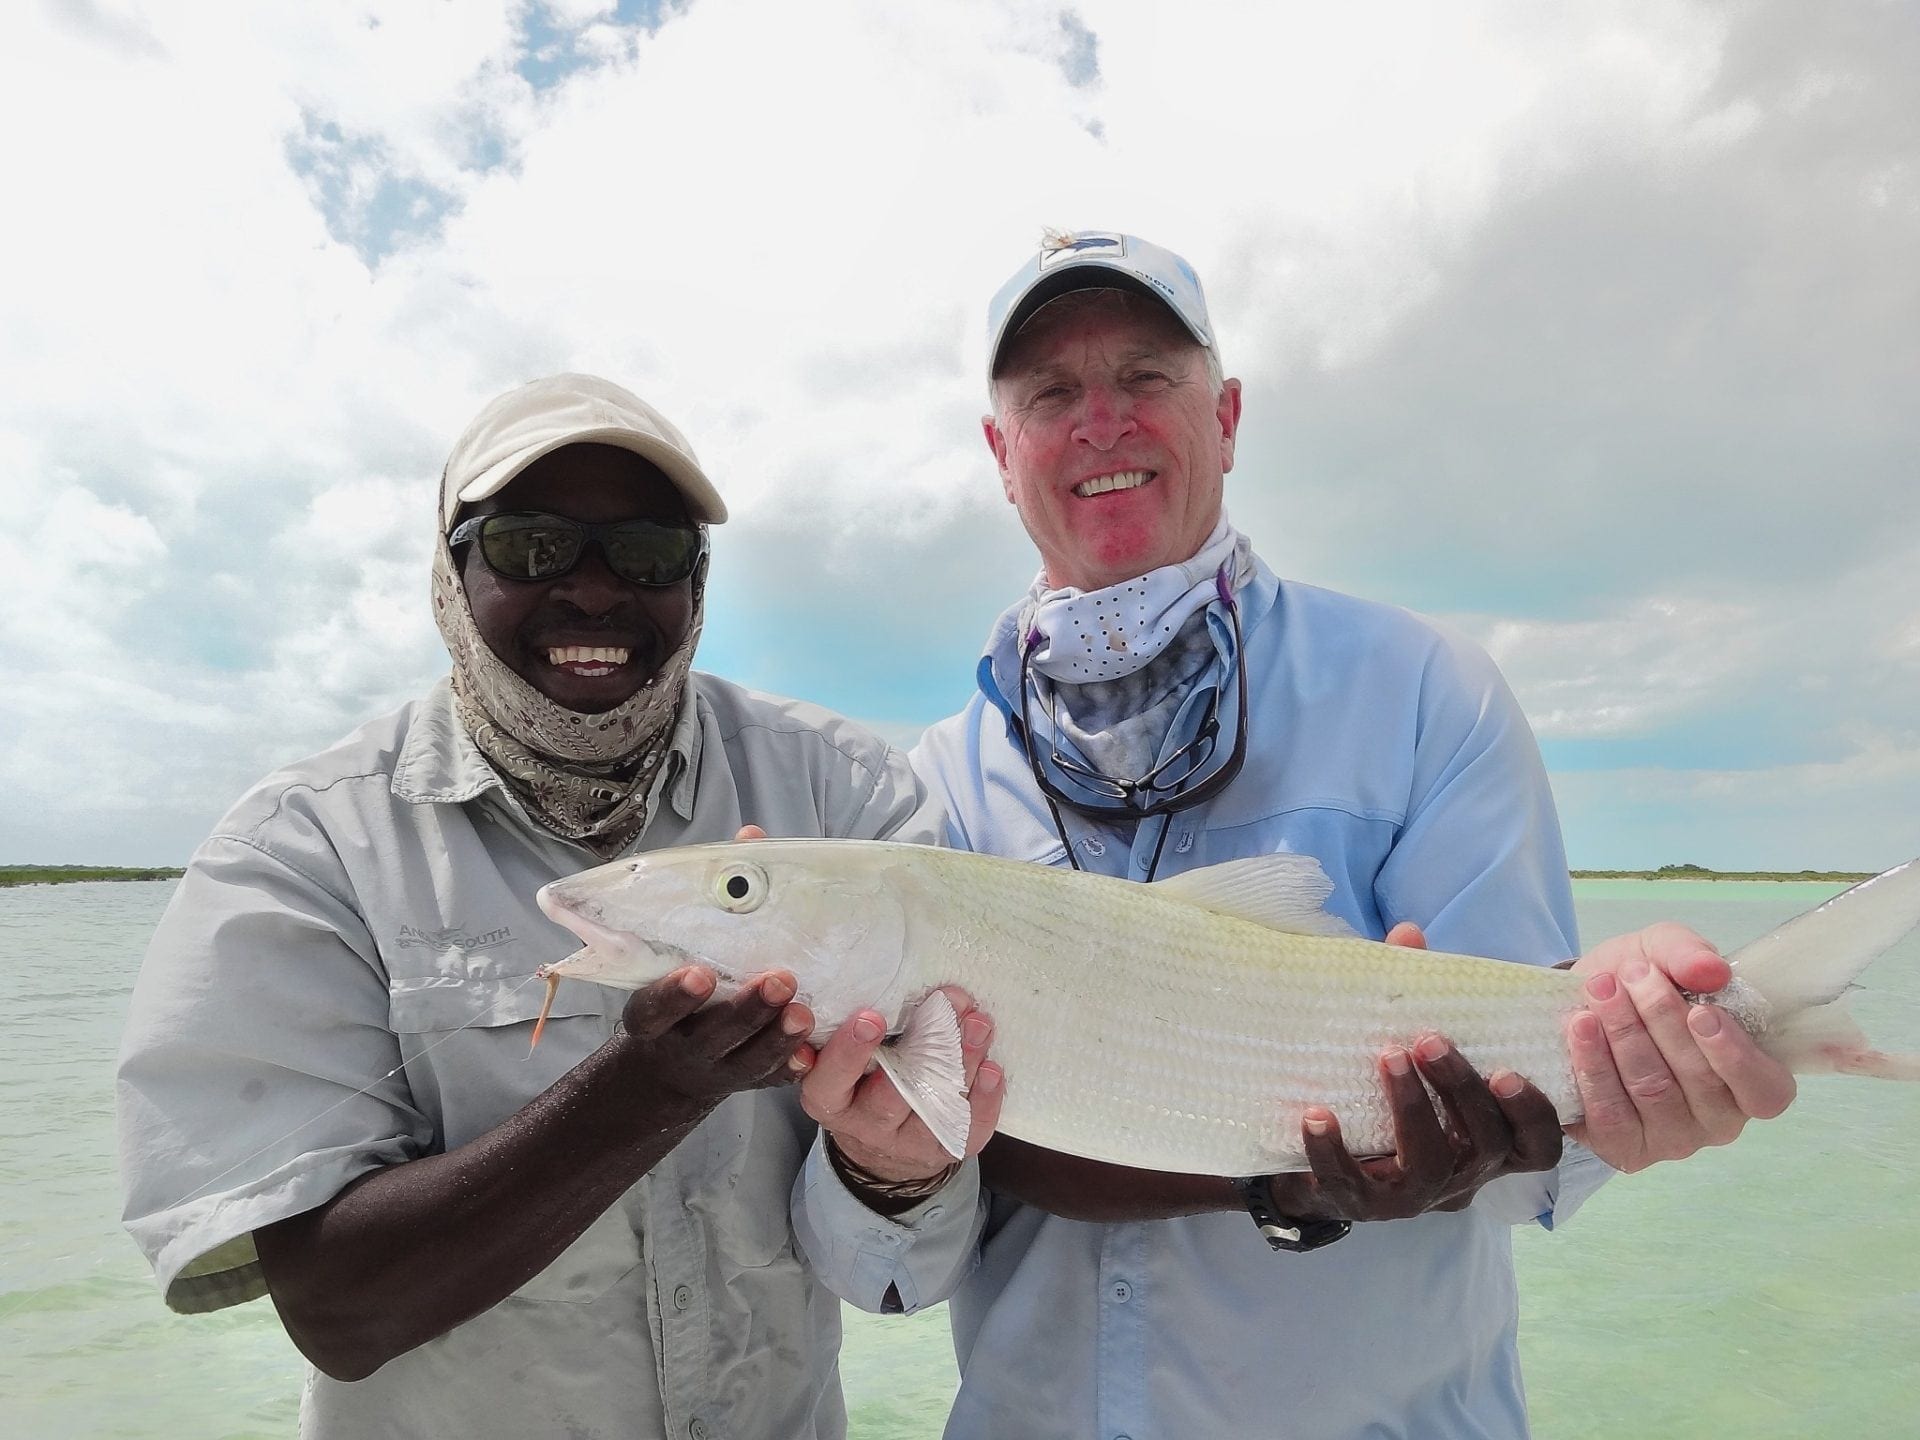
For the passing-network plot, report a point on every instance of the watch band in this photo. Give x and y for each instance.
(1283, 1232)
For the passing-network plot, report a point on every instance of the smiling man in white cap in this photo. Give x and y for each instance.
(1160, 701)
(325, 1091)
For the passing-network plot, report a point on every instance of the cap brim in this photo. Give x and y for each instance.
(1088, 274)
(703, 502)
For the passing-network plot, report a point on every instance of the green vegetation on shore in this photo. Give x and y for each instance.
(1700, 872)
(65, 874)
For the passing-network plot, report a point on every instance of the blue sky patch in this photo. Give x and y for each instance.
(549, 53)
(365, 202)
(1080, 61)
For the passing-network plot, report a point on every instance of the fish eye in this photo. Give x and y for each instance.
(740, 888)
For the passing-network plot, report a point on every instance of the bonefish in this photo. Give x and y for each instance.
(1182, 1025)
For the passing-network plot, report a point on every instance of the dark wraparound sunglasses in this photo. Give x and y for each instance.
(527, 545)
(1166, 788)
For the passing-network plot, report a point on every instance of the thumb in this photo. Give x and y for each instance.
(657, 1008)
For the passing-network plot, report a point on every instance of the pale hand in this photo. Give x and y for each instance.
(856, 1104)
(1660, 1078)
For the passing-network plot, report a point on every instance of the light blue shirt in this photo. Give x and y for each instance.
(1392, 751)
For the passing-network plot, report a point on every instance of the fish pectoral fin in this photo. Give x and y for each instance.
(1282, 892)
(925, 1067)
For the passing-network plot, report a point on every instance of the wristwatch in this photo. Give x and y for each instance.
(1283, 1232)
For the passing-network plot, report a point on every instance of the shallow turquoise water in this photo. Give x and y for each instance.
(1770, 1289)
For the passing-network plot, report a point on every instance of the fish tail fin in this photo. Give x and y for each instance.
(1804, 969)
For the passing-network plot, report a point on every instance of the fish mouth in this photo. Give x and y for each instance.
(1118, 480)
(585, 963)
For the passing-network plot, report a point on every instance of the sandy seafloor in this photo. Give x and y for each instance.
(1768, 1290)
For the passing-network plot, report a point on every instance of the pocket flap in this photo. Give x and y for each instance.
(446, 1002)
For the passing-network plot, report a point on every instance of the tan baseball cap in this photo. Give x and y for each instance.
(517, 428)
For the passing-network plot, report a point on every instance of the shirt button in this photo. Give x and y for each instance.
(1122, 1292)
(936, 1212)
(698, 1430)
(1096, 848)
(682, 1296)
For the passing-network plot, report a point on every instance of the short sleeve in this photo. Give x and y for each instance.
(258, 1073)
(898, 807)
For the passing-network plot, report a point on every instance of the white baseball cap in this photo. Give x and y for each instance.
(1092, 260)
(517, 428)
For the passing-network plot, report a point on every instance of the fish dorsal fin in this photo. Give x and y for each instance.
(1282, 892)
(925, 1067)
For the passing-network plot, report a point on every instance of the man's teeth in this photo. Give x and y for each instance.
(1101, 484)
(601, 658)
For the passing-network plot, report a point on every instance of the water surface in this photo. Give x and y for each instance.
(1767, 1290)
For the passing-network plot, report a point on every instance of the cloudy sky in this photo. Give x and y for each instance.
(1593, 330)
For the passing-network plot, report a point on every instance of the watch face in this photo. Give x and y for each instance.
(1280, 1231)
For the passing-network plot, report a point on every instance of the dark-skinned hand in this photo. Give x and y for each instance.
(752, 1039)
(1486, 1128)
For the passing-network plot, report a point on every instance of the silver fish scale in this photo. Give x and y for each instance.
(1140, 1029)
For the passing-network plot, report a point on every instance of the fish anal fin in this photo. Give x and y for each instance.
(1827, 1040)
(926, 1068)
(1282, 892)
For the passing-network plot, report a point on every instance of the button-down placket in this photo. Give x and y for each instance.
(1121, 1307)
(681, 1312)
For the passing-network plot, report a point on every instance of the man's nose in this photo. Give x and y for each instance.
(591, 587)
(1105, 418)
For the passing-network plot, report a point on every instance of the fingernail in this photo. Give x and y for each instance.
(1586, 1028)
(775, 990)
(988, 1080)
(1634, 971)
(1505, 1084)
(1315, 1125)
(799, 1062)
(792, 1022)
(1704, 1020)
(866, 1029)
(974, 1033)
(1602, 987)
(1430, 1048)
(1397, 1062)
(696, 982)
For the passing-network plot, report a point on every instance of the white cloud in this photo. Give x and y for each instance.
(1550, 318)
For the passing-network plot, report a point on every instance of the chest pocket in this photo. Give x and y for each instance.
(748, 1152)
(464, 1033)
(604, 1254)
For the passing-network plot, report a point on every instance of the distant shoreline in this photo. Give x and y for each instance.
(1694, 872)
(11, 875)
(68, 874)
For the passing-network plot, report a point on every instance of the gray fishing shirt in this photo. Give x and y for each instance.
(298, 1022)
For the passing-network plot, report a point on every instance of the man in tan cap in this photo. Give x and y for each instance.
(325, 1090)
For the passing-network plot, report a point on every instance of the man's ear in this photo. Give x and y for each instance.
(1228, 412)
(997, 443)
